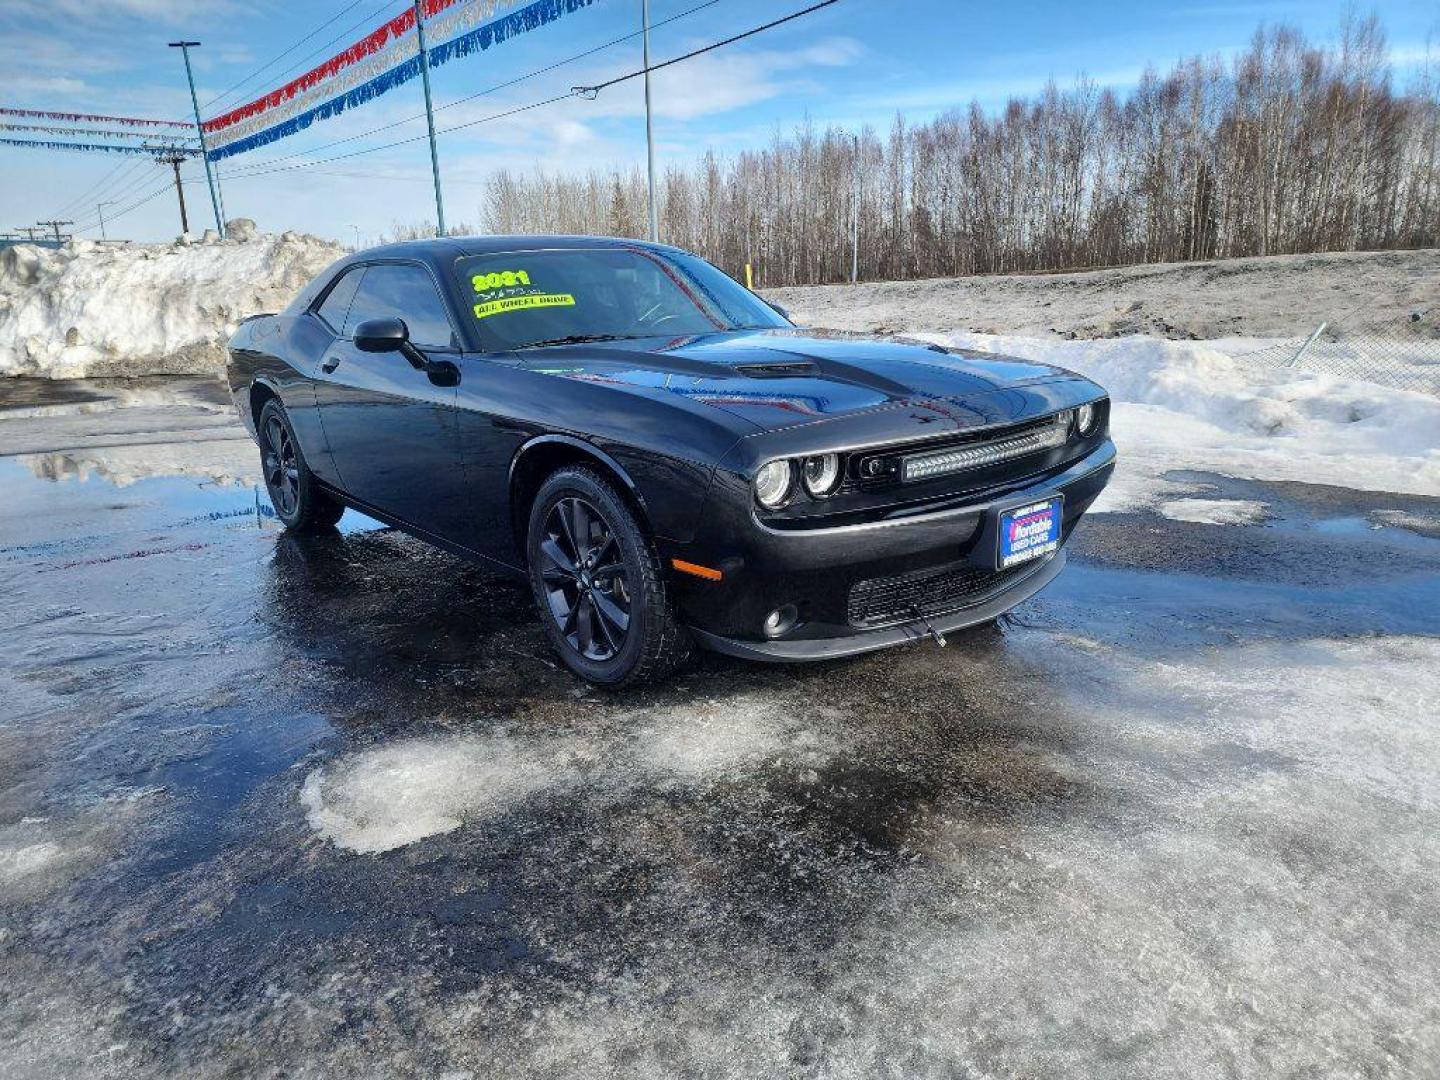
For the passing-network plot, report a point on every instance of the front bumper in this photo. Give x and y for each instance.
(939, 565)
(798, 650)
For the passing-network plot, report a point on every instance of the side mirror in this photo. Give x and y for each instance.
(392, 335)
(381, 335)
(783, 313)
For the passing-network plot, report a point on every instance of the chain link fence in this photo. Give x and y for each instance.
(1405, 356)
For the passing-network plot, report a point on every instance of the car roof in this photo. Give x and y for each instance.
(449, 247)
(440, 252)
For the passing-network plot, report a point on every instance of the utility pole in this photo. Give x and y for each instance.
(173, 158)
(220, 191)
(28, 230)
(649, 122)
(430, 118)
(56, 226)
(185, 47)
(100, 209)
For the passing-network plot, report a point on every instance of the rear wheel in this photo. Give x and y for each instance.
(598, 583)
(294, 492)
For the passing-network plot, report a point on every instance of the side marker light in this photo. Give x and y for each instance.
(697, 570)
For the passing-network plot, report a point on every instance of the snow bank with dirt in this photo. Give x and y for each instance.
(1188, 406)
(89, 309)
(1274, 297)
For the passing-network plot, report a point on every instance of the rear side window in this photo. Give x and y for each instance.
(337, 302)
(409, 293)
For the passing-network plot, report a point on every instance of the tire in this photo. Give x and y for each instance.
(590, 561)
(295, 494)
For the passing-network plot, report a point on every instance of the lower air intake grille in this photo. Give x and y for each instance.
(887, 600)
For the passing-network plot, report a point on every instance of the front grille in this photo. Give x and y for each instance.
(990, 452)
(897, 599)
(968, 451)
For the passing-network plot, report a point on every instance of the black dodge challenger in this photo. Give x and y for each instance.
(662, 453)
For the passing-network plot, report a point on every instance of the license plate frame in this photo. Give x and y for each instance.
(1018, 540)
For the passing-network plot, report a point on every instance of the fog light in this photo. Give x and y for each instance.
(780, 621)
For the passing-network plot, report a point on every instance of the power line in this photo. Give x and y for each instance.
(417, 138)
(591, 91)
(479, 94)
(130, 164)
(367, 20)
(132, 184)
(136, 183)
(586, 91)
(226, 93)
(91, 223)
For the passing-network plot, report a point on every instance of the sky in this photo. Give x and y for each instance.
(854, 63)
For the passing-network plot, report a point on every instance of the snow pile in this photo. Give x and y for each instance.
(707, 740)
(91, 309)
(1269, 297)
(1215, 511)
(1188, 406)
(388, 797)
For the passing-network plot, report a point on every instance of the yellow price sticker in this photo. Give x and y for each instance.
(503, 279)
(520, 303)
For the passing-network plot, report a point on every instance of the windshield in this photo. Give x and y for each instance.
(528, 298)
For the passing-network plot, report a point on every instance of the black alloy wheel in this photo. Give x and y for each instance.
(585, 581)
(299, 502)
(282, 466)
(599, 584)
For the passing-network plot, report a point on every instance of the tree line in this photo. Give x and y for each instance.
(1288, 147)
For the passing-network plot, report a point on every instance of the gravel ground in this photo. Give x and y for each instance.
(283, 807)
(1282, 296)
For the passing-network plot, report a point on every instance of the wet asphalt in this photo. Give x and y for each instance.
(327, 806)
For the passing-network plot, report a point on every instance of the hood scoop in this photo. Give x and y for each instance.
(780, 369)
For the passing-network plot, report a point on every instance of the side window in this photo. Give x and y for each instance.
(337, 302)
(407, 292)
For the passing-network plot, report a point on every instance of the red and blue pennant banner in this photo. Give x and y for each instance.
(111, 148)
(100, 133)
(94, 118)
(376, 64)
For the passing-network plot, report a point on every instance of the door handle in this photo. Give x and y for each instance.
(330, 364)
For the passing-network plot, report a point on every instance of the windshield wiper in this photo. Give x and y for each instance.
(578, 339)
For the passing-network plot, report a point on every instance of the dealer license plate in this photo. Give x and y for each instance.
(1029, 532)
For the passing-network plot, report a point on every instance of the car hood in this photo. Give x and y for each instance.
(784, 377)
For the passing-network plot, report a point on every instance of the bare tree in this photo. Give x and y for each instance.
(1289, 147)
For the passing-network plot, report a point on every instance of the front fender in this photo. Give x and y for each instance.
(669, 491)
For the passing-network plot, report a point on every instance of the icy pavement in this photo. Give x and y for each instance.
(284, 807)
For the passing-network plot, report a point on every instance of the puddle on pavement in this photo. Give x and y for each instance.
(741, 819)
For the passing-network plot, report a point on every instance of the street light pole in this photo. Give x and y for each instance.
(649, 122)
(430, 118)
(185, 47)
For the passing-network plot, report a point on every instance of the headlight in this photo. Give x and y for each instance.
(1085, 418)
(772, 483)
(822, 472)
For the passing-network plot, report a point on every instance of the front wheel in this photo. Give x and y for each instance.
(599, 585)
(294, 493)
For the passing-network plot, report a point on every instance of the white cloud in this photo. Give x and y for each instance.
(20, 86)
(720, 82)
(168, 11)
(1414, 54)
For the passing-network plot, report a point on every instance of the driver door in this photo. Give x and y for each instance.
(392, 432)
